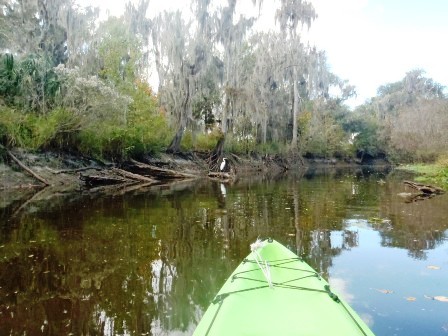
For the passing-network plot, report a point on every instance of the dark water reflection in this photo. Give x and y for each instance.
(149, 262)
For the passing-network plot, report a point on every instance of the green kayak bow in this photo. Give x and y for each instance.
(274, 292)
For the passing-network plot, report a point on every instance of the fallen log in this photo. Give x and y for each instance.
(135, 177)
(424, 188)
(28, 170)
(219, 175)
(161, 173)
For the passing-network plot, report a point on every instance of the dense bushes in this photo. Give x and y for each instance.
(35, 131)
(116, 117)
(60, 129)
(82, 114)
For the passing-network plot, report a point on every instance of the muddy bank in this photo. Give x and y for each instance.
(28, 179)
(25, 170)
(21, 170)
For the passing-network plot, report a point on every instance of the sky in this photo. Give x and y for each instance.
(374, 42)
(368, 42)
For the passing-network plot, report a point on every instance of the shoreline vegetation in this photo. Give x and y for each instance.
(436, 173)
(75, 98)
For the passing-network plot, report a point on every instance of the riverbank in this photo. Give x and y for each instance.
(435, 173)
(22, 170)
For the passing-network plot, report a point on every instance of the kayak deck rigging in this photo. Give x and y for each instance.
(290, 273)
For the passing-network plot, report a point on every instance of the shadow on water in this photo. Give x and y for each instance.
(148, 262)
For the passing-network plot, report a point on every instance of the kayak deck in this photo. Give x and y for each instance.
(287, 297)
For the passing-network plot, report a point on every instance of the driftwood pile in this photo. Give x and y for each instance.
(425, 191)
(425, 188)
(133, 172)
(127, 175)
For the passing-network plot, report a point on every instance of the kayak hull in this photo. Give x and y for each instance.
(274, 292)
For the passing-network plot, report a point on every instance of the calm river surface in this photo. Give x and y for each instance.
(148, 262)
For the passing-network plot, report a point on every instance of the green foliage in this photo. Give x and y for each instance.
(55, 130)
(207, 142)
(322, 135)
(93, 118)
(436, 173)
(14, 130)
(271, 148)
(119, 52)
(406, 120)
(203, 107)
(186, 143)
(240, 145)
(116, 142)
(200, 142)
(8, 78)
(304, 121)
(35, 131)
(367, 138)
(29, 83)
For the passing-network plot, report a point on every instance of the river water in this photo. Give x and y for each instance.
(148, 262)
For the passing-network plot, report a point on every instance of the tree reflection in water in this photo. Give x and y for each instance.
(149, 262)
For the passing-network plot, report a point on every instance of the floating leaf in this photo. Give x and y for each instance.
(431, 267)
(437, 298)
(384, 291)
(441, 298)
(411, 298)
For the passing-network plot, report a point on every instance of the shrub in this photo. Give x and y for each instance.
(207, 141)
(13, 128)
(35, 131)
(240, 145)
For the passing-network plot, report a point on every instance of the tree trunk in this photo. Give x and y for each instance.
(295, 108)
(264, 128)
(174, 146)
(216, 154)
(225, 113)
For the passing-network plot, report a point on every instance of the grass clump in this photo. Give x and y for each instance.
(35, 131)
(436, 173)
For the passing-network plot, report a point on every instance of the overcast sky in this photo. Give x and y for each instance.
(373, 42)
(368, 42)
